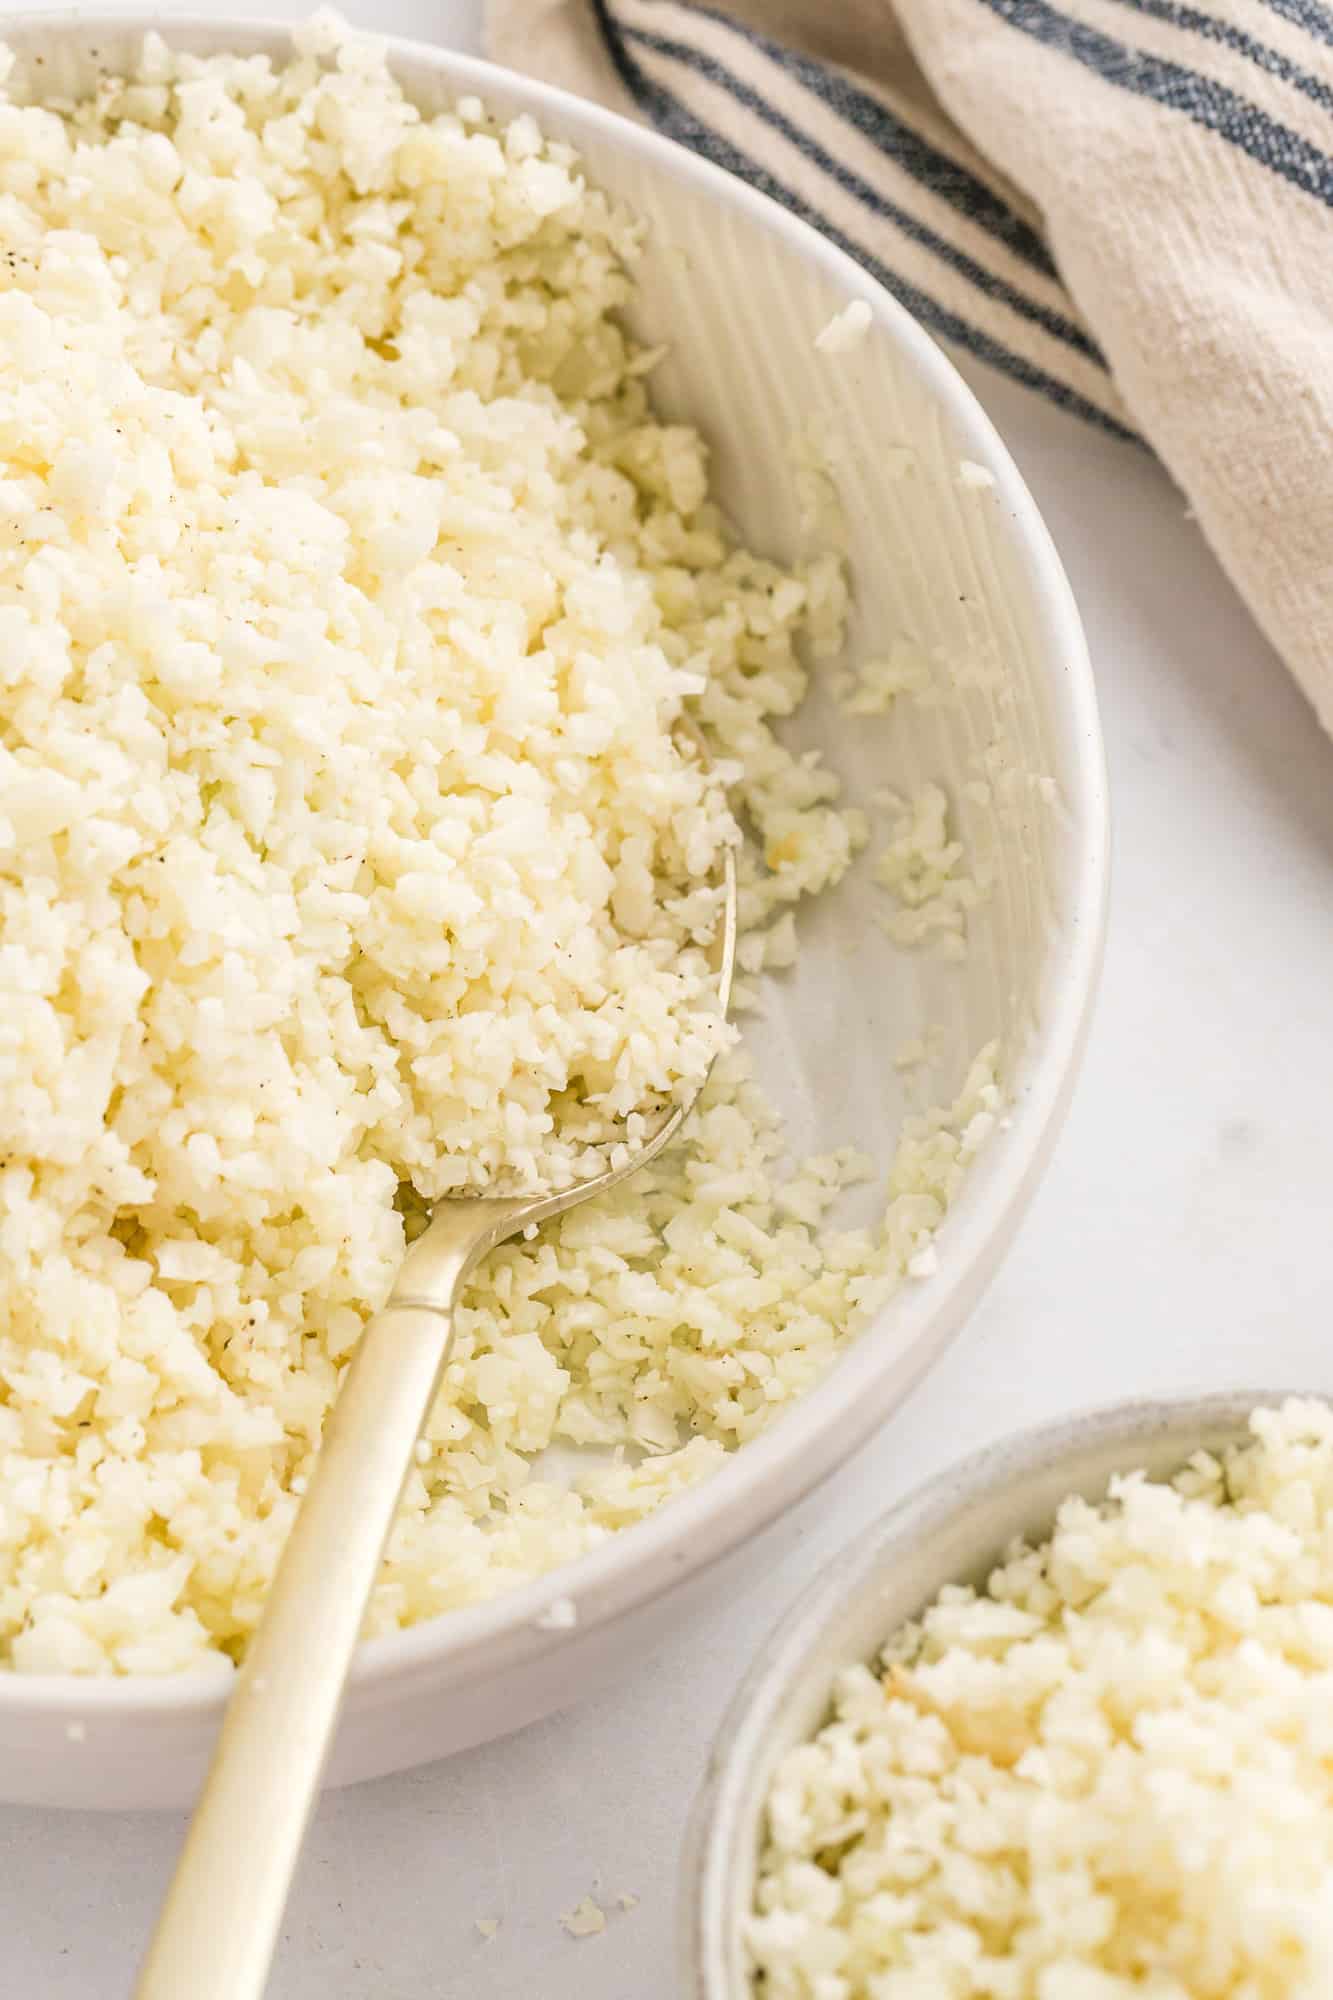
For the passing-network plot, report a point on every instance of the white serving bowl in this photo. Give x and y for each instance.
(739, 290)
(951, 1530)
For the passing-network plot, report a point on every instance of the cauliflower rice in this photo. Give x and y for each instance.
(1109, 1777)
(350, 596)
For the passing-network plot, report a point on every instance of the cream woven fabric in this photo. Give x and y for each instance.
(1125, 204)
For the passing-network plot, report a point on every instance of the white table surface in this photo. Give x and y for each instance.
(1182, 1239)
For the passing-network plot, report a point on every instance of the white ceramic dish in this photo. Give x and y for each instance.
(952, 1530)
(739, 290)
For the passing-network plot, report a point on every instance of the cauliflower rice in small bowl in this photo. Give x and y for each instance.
(1058, 1727)
(397, 455)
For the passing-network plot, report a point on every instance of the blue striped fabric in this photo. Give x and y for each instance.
(1229, 36)
(934, 169)
(980, 270)
(927, 165)
(1307, 14)
(985, 281)
(1177, 88)
(681, 124)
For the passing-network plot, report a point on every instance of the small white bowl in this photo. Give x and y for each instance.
(739, 290)
(954, 1529)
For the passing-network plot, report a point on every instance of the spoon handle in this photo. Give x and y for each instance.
(218, 1928)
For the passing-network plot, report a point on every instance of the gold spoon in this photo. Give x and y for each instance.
(218, 1927)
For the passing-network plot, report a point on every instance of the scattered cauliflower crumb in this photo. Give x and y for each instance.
(972, 474)
(769, 950)
(904, 670)
(77, 1732)
(922, 865)
(846, 329)
(819, 505)
(585, 1920)
(627, 1900)
(1107, 1776)
(1009, 784)
(919, 1049)
(488, 1926)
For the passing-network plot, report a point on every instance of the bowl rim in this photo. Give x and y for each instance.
(721, 1810)
(774, 1471)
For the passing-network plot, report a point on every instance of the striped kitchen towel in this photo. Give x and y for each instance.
(1127, 205)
